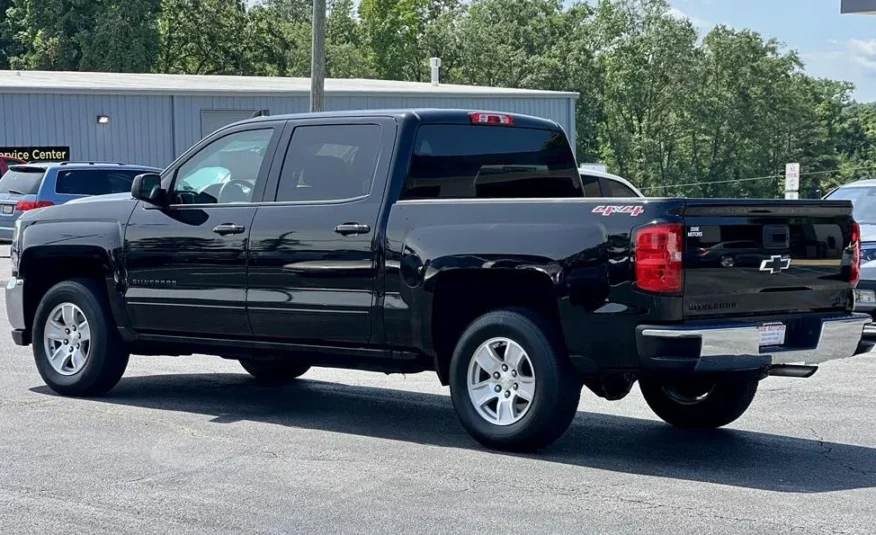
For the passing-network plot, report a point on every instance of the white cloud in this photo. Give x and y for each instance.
(852, 60)
(696, 21)
(863, 52)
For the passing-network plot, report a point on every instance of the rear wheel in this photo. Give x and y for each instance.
(699, 403)
(512, 386)
(274, 371)
(76, 347)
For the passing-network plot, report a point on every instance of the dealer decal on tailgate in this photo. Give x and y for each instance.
(608, 210)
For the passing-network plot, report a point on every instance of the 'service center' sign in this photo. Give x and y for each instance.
(37, 154)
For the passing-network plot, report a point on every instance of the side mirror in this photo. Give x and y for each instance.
(147, 188)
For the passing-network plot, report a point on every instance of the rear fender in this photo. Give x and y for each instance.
(568, 256)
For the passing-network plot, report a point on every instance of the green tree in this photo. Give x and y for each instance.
(205, 37)
(391, 29)
(124, 39)
(49, 34)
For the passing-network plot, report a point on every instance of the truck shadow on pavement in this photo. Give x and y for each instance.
(630, 445)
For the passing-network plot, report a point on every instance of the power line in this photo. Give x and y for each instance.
(754, 178)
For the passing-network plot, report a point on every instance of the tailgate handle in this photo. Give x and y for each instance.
(776, 236)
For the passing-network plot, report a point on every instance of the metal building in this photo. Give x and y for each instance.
(152, 118)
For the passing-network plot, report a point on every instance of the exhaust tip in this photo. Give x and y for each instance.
(793, 370)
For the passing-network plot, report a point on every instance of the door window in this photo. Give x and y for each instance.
(94, 181)
(223, 172)
(330, 163)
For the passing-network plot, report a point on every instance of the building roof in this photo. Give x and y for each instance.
(118, 83)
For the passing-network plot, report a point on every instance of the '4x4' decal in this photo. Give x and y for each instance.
(633, 211)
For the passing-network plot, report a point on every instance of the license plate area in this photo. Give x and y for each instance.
(7, 209)
(771, 334)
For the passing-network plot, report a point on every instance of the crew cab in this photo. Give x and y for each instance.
(444, 240)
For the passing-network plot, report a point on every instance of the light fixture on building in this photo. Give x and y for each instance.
(103, 119)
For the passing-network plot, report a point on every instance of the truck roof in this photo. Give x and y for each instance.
(423, 115)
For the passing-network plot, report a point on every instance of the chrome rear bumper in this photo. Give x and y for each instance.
(736, 346)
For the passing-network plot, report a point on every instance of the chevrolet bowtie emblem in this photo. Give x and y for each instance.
(775, 264)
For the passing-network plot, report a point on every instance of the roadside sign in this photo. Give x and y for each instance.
(792, 181)
(37, 154)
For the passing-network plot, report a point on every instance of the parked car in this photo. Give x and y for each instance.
(601, 184)
(862, 193)
(459, 242)
(37, 185)
(6, 161)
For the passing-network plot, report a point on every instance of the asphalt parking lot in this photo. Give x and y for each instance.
(193, 445)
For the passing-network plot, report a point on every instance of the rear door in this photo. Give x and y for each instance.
(313, 250)
(759, 257)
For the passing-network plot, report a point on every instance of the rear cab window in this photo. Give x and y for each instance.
(22, 180)
(94, 181)
(491, 162)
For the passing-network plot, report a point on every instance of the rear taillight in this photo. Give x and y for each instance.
(856, 254)
(659, 258)
(24, 206)
(496, 119)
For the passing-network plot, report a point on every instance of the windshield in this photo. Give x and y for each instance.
(863, 200)
(22, 180)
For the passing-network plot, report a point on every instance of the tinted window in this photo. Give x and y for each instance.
(464, 161)
(616, 189)
(225, 171)
(591, 186)
(326, 163)
(22, 180)
(94, 181)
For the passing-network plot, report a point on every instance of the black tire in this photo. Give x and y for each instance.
(699, 403)
(274, 371)
(557, 385)
(107, 356)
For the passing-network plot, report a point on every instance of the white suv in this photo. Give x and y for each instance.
(602, 184)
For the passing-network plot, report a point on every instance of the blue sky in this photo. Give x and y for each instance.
(841, 47)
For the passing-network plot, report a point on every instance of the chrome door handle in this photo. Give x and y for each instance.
(226, 229)
(349, 229)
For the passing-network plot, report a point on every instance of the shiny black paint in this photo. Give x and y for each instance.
(291, 286)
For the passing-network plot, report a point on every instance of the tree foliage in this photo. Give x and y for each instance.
(676, 111)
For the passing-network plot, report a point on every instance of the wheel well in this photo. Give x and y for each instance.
(464, 295)
(43, 273)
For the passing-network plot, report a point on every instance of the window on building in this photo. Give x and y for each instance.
(330, 163)
(472, 161)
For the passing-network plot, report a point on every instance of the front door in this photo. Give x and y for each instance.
(313, 252)
(186, 262)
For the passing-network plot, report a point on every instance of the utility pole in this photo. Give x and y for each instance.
(317, 63)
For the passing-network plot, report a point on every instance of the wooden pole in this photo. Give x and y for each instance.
(317, 64)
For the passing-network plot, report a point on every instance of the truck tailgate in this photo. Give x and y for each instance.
(762, 257)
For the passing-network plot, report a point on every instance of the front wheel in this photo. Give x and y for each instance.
(274, 371)
(699, 403)
(76, 346)
(512, 385)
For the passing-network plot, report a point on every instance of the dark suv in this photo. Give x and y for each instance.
(36, 185)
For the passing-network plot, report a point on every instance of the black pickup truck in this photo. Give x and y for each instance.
(453, 241)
